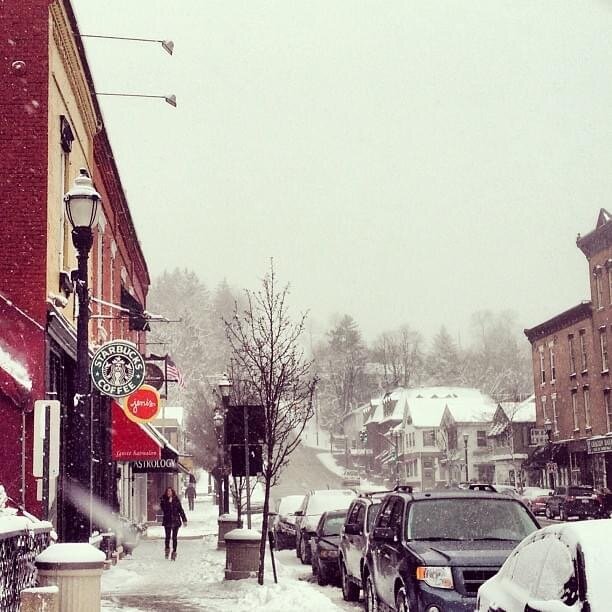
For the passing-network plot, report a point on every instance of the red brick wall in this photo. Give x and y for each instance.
(24, 33)
(23, 163)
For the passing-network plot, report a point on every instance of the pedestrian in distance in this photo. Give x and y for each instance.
(190, 492)
(174, 517)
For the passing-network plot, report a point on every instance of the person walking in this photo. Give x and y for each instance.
(173, 513)
(190, 492)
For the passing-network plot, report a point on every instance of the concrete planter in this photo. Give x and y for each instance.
(241, 554)
(226, 523)
(76, 570)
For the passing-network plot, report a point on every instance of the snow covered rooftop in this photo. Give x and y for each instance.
(399, 396)
(377, 412)
(523, 412)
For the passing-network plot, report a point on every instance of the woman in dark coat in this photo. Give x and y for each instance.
(173, 513)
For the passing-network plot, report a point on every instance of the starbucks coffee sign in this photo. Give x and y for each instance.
(117, 368)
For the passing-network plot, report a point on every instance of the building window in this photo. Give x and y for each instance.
(598, 290)
(544, 415)
(583, 352)
(481, 438)
(603, 345)
(572, 357)
(553, 401)
(429, 437)
(608, 405)
(551, 355)
(575, 410)
(542, 368)
(587, 408)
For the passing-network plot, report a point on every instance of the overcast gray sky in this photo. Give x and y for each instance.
(401, 161)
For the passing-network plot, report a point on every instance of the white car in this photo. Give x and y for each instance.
(561, 568)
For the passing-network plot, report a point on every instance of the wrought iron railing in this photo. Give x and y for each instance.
(18, 550)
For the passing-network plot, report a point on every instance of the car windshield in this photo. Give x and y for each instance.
(333, 525)
(321, 503)
(468, 519)
(289, 504)
(579, 491)
(372, 512)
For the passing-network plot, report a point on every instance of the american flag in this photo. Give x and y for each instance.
(173, 374)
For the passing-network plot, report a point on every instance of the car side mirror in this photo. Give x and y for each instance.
(352, 529)
(384, 534)
(546, 606)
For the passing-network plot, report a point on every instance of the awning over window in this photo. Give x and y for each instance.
(132, 441)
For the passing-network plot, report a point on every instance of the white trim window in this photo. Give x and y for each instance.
(572, 356)
(575, 410)
(583, 352)
(542, 366)
(544, 415)
(603, 347)
(598, 290)
(587, 408)
(551, 357)
(553, 401)
(608, 405)
(610, 281)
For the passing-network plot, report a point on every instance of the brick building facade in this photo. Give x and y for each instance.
(572, 374)
(50, 126)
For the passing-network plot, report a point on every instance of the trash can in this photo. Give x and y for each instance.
(241, 553)
(226, 523)
(76, 570)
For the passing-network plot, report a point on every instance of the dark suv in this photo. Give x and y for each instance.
(576, 500)
(432, 551)
(357, 527)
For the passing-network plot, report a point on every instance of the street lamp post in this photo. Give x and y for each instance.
(548, 426)
(225, 389)
(82, 203)
(465, 448)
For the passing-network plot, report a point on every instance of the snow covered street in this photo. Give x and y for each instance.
(194, 582)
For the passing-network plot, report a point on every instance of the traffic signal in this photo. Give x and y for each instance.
(363, 436)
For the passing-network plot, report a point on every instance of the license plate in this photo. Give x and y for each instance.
(585, 501)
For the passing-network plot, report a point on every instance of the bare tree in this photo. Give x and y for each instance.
(450, 453)
(267, 353)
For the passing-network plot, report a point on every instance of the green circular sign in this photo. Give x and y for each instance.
(117, 368)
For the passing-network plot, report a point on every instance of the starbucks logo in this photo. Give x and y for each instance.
(117, 368)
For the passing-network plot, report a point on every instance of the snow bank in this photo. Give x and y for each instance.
(243, 535)
(328, 460)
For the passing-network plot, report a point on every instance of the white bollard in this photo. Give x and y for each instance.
(76, 570)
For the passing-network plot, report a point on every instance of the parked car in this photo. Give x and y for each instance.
(351, 478)
(324, 547)
(580, 501)
(435, 549)
(532, 497)
(357, 527)
(605, 501)
(561, 567)
(284, 521)
(307, 517)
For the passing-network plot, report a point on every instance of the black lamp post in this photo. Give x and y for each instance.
(82, 203)
(225, 388)
(548, 428)
(465, 449)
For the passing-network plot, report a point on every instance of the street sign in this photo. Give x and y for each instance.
(117, 368)
(255, 460)
(142, 405)
(234, 425)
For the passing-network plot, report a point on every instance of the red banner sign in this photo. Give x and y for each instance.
(142, 405)
(130, 441)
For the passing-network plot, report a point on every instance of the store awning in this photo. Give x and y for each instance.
(132, 441)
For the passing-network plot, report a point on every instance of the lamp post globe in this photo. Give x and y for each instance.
(82, 202)
(225, 387)
(218, 419)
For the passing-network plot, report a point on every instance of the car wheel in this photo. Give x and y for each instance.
(548, 513)
(562, 514)
(401, 601)
(350, 591)
(371, 598)
(321, 577)
(304, 556)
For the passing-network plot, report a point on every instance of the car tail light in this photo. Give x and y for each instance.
(571, 498)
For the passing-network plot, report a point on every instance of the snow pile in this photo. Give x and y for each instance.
(15, 370)
(329, 461)
(71, 553)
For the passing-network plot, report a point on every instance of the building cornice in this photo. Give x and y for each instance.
(581, 312)
(70, 56)
(596, 241)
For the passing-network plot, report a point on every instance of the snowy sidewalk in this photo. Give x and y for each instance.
(148, 582)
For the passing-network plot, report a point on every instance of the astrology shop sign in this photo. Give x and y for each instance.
(117, 368)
